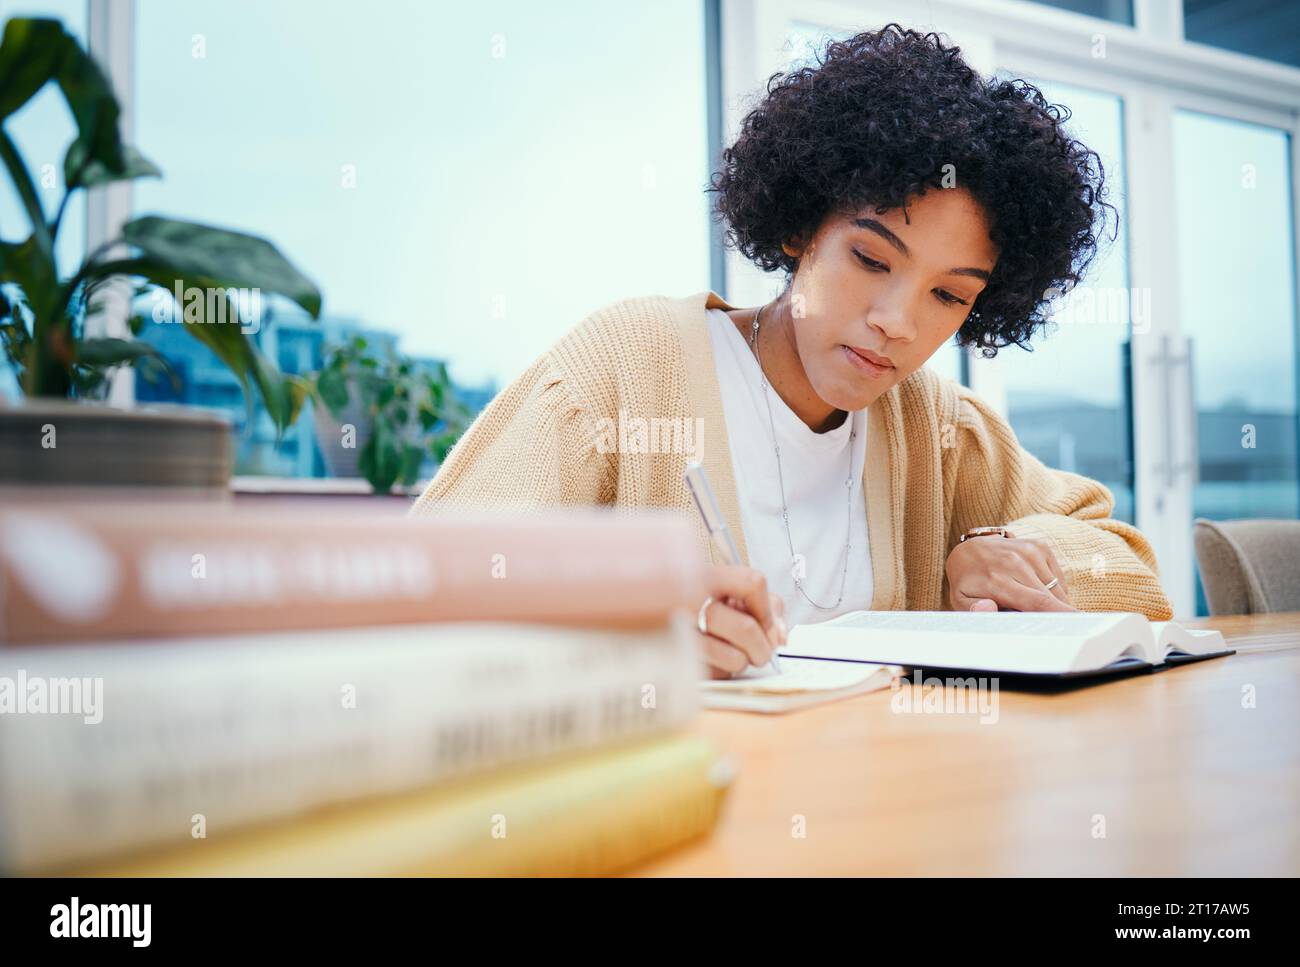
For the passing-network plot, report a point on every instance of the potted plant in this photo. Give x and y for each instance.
(58, 434)
(380, 416)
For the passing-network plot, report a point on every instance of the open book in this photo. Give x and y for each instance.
(1056, 644)
(801, 682)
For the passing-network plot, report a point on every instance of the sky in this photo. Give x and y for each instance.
(513, 166)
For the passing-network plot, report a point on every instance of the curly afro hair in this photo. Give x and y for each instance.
(873, 124)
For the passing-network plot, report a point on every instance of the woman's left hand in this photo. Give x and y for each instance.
(994, 572)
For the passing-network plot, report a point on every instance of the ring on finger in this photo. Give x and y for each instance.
(701, 619)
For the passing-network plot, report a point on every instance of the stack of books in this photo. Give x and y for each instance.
(198, 691)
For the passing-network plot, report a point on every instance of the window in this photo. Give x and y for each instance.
(1119, 11)
(1236, 265)
(1067, 399)
(460, 176)
(1262, 28)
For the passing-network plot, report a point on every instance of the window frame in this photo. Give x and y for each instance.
(110, 36)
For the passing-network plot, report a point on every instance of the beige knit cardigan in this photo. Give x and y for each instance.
(939, 460)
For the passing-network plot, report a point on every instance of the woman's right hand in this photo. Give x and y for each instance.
(746, 623)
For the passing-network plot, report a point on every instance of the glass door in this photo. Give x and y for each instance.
(1067, 396)
(1237, 303)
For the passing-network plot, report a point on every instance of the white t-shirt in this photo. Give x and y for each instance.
(814, 467)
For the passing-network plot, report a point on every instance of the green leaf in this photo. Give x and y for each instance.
(107, 352)
(282, 395)
(30, 55)
(223, 337)
(153, 368)
(111, 351)
(428, 418)
(443, 443)
(27, 266)
(332, 386)
(220, 333)
(379, 460)
(17, 342)
(409, 471)
(88, 383)
(299, 388)
(226, 259)
(9, 268)
(217, 327)
(26, 190)
(91, 100)
(82, 172)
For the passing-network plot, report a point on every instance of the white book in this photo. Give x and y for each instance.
(208, 734)
(800, 683)
(1057, 644)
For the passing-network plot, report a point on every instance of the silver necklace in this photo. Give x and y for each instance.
(780, 477)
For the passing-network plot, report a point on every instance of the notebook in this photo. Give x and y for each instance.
(800, 683)
(1046, 644)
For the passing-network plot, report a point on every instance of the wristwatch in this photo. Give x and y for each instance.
(986, 532)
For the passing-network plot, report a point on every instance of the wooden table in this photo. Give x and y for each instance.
(1186, 777)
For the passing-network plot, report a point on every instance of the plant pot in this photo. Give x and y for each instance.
(341, 461)
(61, 443)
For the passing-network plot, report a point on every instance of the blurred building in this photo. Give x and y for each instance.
(298, 345)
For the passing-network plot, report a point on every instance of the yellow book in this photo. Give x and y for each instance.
(592, 814)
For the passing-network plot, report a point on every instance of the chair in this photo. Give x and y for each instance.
(1249, 566)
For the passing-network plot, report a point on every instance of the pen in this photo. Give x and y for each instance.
(715, 524)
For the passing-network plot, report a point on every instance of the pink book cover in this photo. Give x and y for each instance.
(117, 570)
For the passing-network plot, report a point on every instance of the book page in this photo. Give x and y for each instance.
(1055, 623)
(1007, 641)
(1173, 639)
(802, 675)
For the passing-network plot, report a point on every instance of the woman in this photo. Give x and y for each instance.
(906, 199)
